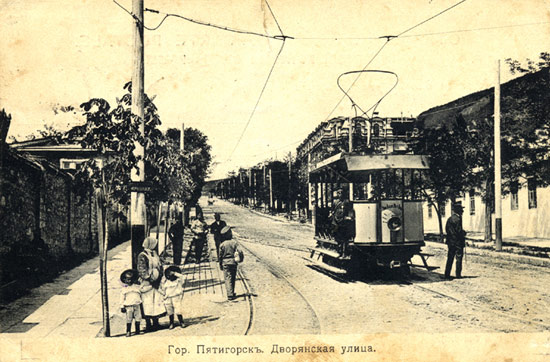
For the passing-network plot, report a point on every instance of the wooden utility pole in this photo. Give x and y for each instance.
(270, 190)
(350, 150)
(498, 190)
(103, 236)
(159, 218)
(263, 189)
(137, 209)
(250, 193)
(184, 211)
(289, 185)
(310, 195)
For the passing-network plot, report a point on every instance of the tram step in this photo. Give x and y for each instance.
(330, 268)
(323, 240)
(426, 254)
(330, 253)
(430, 268)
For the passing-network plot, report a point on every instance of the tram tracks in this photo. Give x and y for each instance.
(251, 306)
(281, 275)
(460, 308)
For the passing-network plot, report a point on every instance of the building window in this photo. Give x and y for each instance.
(472, 203)
(514, 200)
(376, 130)
(429, 211)
(442, 208)
(70, 164)
(532, 193)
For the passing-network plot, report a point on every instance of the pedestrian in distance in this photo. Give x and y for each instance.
(199, 229)
(456, 241)
(172, 288)
(130, 299)
(150, 272)
(176, 236)
(215, 229)
(231, 256)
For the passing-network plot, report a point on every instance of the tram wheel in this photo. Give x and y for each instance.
(405, 270)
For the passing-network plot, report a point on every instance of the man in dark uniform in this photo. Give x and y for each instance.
(215, 229)
(176, 236)
(342, 218)
(455, 240)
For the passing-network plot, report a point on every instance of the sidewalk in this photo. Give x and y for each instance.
(530, 247)
(71, 305)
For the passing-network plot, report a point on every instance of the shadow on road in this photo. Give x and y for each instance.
(381, 276)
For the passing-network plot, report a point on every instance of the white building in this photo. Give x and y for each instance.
(525, 213)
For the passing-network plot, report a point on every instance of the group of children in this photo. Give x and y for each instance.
(130, 299)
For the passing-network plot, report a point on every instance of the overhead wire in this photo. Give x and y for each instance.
(430, 18)
(258, 100)
(199, 22)
(274, 18)
(388, 39)
(426, 34)
(283, 37)
(355, 80)
(354, 104)
(474, 29)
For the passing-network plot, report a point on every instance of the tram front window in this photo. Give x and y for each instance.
(399, 184)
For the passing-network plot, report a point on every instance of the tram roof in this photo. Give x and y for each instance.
(350, 163)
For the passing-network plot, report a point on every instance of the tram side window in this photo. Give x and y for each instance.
(392, 184)
(360, 191)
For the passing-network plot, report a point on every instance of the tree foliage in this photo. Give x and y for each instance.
(113, 134)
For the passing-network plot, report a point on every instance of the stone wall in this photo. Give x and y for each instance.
(45, 224)
(54, 213)
(81, 224)
(18, 213)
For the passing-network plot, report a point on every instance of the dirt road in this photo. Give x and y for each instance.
(291, 297)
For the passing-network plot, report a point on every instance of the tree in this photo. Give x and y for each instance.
(526, 118)
(447, 175)
(188, 171)
(525, 110)
(112, 133)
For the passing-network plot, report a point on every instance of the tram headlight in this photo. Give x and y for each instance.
(393, 219)
(394, 223)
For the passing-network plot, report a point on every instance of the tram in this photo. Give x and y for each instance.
(386, 227)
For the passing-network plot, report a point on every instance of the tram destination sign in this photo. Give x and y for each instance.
(138, 186)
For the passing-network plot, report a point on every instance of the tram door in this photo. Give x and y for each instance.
(365, 222)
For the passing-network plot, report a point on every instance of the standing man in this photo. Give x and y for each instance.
(199, 229)
(176, 236)
(227, 251)
(216, 228)
(455, 240)
(342, 218)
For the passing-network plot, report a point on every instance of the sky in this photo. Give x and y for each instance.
(63, 52)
